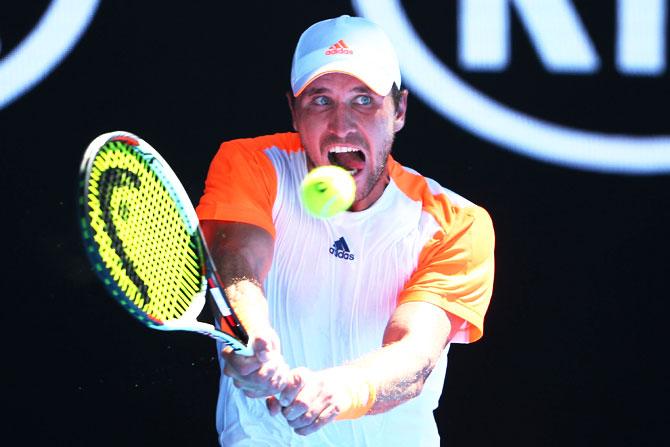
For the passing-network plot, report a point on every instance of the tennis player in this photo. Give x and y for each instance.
(351, 317)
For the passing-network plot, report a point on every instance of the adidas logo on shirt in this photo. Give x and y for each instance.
(338, 47)
(340, 249)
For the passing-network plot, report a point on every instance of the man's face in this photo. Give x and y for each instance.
(342, 122)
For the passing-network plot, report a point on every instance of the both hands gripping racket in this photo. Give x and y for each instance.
(142, 237)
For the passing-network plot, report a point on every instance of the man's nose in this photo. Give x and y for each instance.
(341, 121)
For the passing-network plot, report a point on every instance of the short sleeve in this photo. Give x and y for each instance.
(455, 271)
(241, 186)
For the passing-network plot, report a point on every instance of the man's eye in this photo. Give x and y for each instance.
(363, 100)
(321, 101)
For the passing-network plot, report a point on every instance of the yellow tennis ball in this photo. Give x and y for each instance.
(327, 191)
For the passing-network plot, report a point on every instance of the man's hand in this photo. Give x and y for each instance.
(312, 399)
(263, 374)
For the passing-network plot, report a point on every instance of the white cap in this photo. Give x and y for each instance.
(350, 45)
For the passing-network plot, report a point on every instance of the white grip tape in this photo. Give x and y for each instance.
(220, 302)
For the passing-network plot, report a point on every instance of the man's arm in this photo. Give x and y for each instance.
(242, 254)
(414, 339)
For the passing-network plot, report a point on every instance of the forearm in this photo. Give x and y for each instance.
(413, 343)
(397, 372)
(246, 297)
(242, 254)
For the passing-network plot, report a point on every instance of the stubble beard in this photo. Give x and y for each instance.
(379, 171)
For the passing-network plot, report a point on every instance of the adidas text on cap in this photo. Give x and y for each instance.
(350, 45)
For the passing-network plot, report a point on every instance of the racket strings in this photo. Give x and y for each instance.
(142, 236)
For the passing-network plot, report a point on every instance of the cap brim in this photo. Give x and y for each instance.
(360, 71)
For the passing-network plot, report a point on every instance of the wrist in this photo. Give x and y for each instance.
(362, 395)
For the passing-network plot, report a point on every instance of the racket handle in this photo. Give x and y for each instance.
(223, 313)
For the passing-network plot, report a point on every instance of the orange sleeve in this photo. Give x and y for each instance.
(241, 185)
(455, 270)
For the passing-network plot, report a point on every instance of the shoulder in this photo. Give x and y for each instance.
(266, 152)
(445, 206)
(286, 141)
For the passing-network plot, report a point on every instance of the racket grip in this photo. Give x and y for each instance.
(223, 314)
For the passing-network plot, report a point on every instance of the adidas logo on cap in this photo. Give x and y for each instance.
(338, 47)
(340, 249)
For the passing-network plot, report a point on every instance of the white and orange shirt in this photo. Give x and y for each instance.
(333, 284)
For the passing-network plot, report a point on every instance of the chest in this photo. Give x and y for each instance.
(348, 269)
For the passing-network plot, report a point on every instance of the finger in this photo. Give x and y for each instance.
(268, 380)
(281, 378)
(255, 393)
(230, 371)
(316, 409)
(326, 417)
(253, 390)
(293, 386)
(273, 405)
(294, 411)
(239, 370)
(227, 354)
(305, 419)
(262, 349)
(253, 387)
(276, 384)
(273, 376)
(267, 371)
(238, 365)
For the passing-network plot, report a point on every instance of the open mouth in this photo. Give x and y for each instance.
(349, 158)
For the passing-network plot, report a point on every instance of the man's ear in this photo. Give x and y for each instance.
(401, 111)
(291, 105)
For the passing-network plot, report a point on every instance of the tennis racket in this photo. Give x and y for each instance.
(142, 237)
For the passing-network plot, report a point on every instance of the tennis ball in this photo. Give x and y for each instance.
(327, 191)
